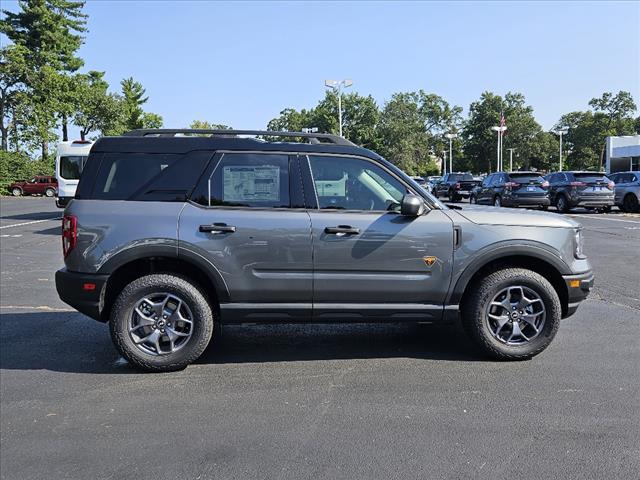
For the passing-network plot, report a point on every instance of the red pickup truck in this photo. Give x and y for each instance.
(40, 184)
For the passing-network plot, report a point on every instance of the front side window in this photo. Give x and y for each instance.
(248, 180)
(71, 166)
(345, 183)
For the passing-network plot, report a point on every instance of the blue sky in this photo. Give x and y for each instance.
(241, 63)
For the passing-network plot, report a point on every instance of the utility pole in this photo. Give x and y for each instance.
(500, 130)
(560, 133)
(451, 136)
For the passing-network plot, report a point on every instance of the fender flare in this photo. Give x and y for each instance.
(173, 251)
(490, 253)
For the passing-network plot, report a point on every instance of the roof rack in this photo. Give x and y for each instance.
(171, 132)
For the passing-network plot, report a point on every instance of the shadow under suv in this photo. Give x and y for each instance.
(171, 235)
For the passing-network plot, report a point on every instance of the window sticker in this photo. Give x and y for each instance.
(247, 183)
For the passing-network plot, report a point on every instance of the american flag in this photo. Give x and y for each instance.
(503, 121)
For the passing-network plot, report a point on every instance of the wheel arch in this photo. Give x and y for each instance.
(128, 266)
(524, 256)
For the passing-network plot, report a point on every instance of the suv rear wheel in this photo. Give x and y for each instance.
(512, 314)
(562, 204)
(161, 322)
(630, 203)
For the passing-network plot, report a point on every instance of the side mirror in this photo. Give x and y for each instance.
(411, 205)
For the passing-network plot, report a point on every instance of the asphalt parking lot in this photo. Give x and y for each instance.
(326, 402)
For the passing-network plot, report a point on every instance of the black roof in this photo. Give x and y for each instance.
(185, 140)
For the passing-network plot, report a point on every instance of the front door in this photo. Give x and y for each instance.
(255, 232)
(368, 259)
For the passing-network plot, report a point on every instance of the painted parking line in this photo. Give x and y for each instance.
(30, 223)
(11, 236)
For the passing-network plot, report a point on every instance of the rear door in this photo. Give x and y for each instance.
(368, 259)
(484, 195)
(248, 220)
(592, 186)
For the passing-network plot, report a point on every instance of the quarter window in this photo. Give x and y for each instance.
(345, 183)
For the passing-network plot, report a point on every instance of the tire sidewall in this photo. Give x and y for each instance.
(49, 192)
(161, 283)
(16, 192)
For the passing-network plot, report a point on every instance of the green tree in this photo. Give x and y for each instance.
(98, 110)
(50, 33)
(133, 95)
(204, 125)
(412, 128)
(587, 131)
(13, 71)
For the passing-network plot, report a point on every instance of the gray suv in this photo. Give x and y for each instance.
(627, 196)
(175, 232)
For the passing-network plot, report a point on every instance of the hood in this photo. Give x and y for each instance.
(515, 217)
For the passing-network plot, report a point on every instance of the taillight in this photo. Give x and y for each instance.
(510, 185)
(578, 184)
(611, 185)
(457, 187)
(545, 184)
(69, 234)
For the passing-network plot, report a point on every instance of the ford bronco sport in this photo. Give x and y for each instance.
(173, 232)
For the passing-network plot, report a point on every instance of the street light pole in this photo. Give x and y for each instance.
(500, 130)
(451, 136)
(337, 86)
(560, 133)
(511, 158)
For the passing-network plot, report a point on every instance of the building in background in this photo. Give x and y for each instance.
(623, 153)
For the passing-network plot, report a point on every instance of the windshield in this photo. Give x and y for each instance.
(71, 166)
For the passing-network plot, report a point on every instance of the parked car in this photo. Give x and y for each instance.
(592, 190)
(420, 181)
(627, 190)
(168, 238)
(38, 185)
(455, 186)
(432, 182)
(512, 189)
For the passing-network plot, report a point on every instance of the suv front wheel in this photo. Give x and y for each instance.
(161, 322)
(512, 314)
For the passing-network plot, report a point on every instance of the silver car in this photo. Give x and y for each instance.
(627, 195)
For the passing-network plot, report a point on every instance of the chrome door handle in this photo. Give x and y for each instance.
(344, 229)
(217, 228)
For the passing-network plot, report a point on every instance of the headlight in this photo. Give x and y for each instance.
(578, 244)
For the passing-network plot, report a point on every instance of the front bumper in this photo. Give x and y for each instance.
(83, 291)
(578, 288)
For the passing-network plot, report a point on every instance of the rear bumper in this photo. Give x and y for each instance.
(578, 288)
(542, 200)
(605, 201)
(82, 291)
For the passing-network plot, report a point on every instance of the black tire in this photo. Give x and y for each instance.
(49, 192)
(562, 204)
(472, 200)
(475, 323)
(544, 207)
(452, 196)
(630, 203)
(16, 192)
(605, 210)
(497, 201)
(194, 298)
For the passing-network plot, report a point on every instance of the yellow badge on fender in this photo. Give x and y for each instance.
(429, 261)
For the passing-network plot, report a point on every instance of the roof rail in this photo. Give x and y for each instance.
(172, 132)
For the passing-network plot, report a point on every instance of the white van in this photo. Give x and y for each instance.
(70, 160)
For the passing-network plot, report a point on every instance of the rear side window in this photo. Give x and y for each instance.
(71, 166)
(147, 176)
(247, 180)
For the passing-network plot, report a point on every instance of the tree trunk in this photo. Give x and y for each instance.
(65, 131)
(45, 149)
(4, 129)
(82, 134)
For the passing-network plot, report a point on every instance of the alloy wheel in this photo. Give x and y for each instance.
(160, 324)
(516, 315)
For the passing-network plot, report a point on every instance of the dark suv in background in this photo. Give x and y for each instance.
(512, 189)
(455, 186)
(592, 190)
(627, 196)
